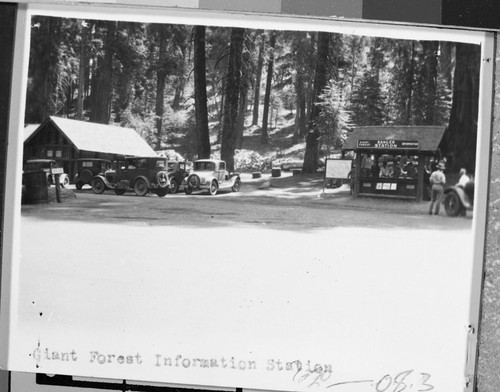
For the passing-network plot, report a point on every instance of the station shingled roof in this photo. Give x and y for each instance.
(88, 136)
(429, 137)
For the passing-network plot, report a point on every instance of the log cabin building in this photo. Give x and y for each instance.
(65, 141)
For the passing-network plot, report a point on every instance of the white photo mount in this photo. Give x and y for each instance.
(251, 358)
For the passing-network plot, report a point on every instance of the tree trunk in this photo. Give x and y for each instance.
(101, 93)
(161, 78)
(300, 115)
(181, 79)
(44, 57)
(431, 76)
(256, 98)
(240, 127)
(200, 93)
(81, 70)
(320, 81)
(265, 116)
(410, 75)
(446, 63)
(462, 131)
(231, 97)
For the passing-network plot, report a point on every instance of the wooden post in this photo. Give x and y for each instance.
(58, 187)
(420, 177)
(357, 172)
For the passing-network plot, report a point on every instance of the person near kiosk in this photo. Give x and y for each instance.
(437, 181)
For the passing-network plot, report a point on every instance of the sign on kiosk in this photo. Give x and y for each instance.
(389, 144)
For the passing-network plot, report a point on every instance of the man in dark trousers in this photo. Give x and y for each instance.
(437, 181)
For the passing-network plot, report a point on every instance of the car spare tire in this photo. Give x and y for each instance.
(193, 181)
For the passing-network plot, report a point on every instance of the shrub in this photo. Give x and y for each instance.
(247, 161)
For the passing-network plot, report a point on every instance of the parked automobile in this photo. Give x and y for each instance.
(140, 174)
(459, 199)
(50, 167)
(88, 168)
(177, 172)
(211, 175)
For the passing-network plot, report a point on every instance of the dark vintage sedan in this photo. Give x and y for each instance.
(139, 174)
(88, 168)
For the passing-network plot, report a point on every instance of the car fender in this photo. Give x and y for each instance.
(232, 179)
(106, 182)
(461, 195)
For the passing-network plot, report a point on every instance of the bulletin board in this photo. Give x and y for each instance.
(338, 168)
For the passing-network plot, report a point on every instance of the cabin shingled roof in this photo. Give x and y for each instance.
(429, 137)
(101, 138)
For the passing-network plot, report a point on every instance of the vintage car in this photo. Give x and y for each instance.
(88, 168)
(177, 172)
(211, 175)
(459, 199)
(140, 174)
(50, 167)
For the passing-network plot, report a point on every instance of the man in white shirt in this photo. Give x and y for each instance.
(464, 178)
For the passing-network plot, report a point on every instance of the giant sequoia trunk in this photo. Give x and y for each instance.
(300, 116)
(431, 75)
(267, 98)
(242, 111)
(161, 78)
(81, 69)
(258, 75)
(460, 141)
(100, 110)
(231, 95)
(320, 80)
(200, 93)
(43, 80)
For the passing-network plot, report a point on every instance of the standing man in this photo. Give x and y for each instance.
(437, 181)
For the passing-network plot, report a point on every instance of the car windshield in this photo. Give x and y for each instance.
(204, 166)
(160, 163)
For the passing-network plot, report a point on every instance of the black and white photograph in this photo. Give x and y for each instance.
(251, 202)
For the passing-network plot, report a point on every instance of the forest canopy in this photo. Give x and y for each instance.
(200, 90)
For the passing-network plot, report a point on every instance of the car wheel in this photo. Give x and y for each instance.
(213, 188)
(188, 190)
(141, 187)
(174, 187)
(79, 186)
(161, 192)
(452, 204)
(120, 191)
(236, 186)
(98, 186)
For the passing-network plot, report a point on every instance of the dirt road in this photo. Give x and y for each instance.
(294, 206)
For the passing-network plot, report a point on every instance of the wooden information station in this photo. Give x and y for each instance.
(390, 161)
